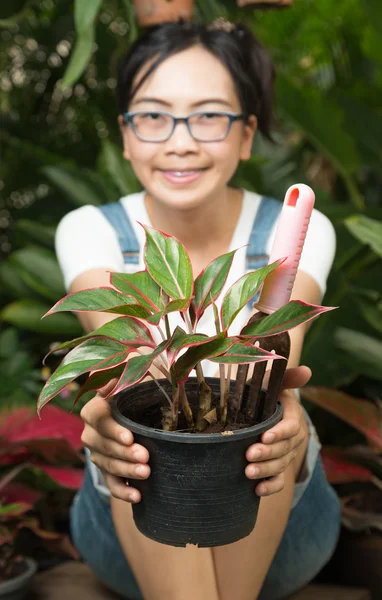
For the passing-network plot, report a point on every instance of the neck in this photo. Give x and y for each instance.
(200, 228)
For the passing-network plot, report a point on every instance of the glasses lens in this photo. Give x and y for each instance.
(207, 127)
(152, 126)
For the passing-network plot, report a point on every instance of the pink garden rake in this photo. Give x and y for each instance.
(276, 292)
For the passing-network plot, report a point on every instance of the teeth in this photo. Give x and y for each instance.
(182, 173)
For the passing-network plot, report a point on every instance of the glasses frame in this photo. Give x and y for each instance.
(128, 120)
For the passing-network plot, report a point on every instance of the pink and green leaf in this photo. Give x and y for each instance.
(43, 436)
(240, 353)
(140, 286)
(16, 509)
(339, 469)
(137, 368)
(210, 282)
(93, 354)
(102, 299)
(173, 306)
(168, 263)
(285, 318)
(361, 414)
(127, 330)
(205, 350)
(98, 379)
(67, 477)
(242, 291)
(180, 340)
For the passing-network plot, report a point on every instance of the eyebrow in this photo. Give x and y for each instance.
(194, 104)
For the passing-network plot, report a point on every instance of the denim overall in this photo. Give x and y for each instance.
(313, 526)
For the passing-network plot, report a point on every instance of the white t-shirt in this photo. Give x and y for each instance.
(86, 240)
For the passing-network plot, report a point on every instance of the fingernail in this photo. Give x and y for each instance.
(255, 471)
(132, 496)
(255, 454)
(262, 491)
(126, 438)
(269, 437)
(140, 470)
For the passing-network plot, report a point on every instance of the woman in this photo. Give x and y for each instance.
(220, 78)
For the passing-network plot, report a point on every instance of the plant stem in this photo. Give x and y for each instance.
(167, 325)
(185, 406)
(157, 364)
(188, 322)
(161, 389)
(223, 408)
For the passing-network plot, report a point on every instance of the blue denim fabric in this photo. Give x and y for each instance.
(308, 542)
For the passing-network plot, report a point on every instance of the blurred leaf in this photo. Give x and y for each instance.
(9, 8)
(309, 109)
(113, 162)
(12, 282)
(339, 469)
(374, 10)
(76, 184)
(362, 350)
(79, 57)
(85, 13)
(37, 232)
(8, 342)
(361, 414)
(368, 231)
(27, 314)
(39, 269)
(371, 311)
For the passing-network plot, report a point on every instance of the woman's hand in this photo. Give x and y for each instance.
(112, 447)
(285, 442)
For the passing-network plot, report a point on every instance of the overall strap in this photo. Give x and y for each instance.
(256, 255)
(118, 219)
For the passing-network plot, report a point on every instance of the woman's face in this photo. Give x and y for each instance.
(182, 172)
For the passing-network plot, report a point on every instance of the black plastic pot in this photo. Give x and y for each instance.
(197, 492)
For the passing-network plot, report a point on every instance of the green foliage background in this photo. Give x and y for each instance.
(60, 149)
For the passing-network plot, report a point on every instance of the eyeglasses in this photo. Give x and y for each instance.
(158, 126)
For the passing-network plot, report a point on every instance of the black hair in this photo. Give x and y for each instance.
(238, 50)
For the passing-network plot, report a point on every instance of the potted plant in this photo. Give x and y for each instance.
(356, 472)
(153, 12)
(16, 571)
(196, 429)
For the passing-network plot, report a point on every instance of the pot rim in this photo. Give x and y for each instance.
(20, 580)
(192, 438)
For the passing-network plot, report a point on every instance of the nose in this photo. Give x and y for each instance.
(181, 141)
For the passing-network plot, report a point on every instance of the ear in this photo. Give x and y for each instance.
(122, 128)
(249, 130)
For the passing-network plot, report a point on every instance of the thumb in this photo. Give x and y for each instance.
(108, 387)
(296, 377)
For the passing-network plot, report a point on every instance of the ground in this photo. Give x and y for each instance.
(75, 580)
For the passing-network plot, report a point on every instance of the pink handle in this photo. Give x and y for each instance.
(289, 242)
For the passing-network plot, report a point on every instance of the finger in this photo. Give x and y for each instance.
(271, 486)
(120, 468)
(269, 468)
(106, 389)
(261, 452)
(98, 443)
(296, 377)
(291, 423)
(96, 414)
(119, 488)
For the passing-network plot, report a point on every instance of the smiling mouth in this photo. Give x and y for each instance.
(181, 172)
